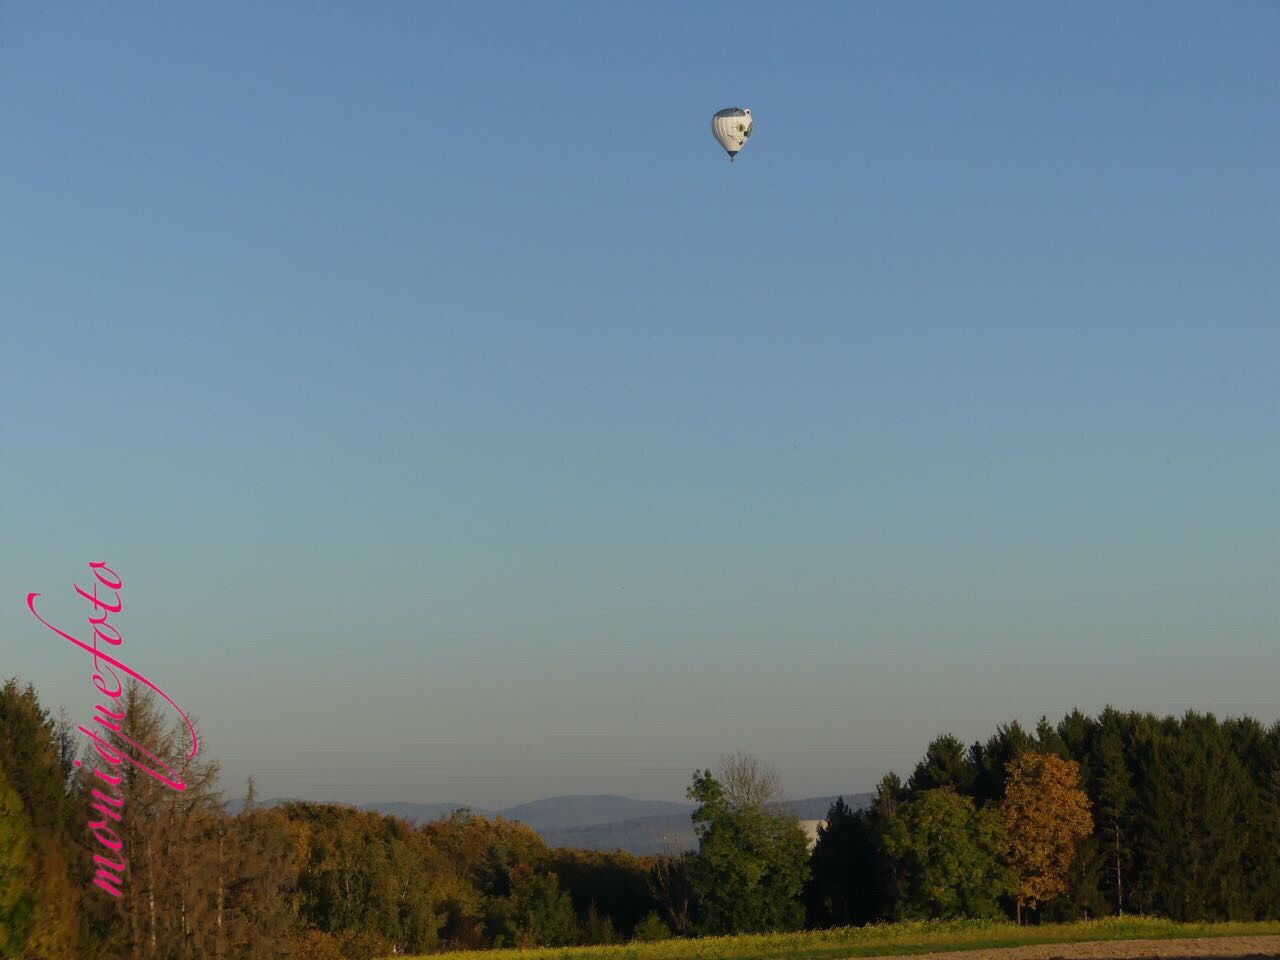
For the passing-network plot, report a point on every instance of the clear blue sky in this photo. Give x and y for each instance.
(466, 428)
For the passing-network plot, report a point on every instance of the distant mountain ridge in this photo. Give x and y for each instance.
(671, 833)
(558, 813)
(598, 821)
(551, 813)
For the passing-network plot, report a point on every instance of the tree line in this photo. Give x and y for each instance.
(1184, 823)
(1122, 812)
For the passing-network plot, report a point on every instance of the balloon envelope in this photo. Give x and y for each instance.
(732, 127)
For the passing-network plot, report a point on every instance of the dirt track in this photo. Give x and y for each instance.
(1204, 948)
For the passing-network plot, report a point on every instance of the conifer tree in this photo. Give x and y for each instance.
(946, 763)
(17, 870)
(37, 776)
(842, 888)
(1115, 799)
(992, 759)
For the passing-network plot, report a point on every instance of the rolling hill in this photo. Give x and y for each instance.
(599, 822)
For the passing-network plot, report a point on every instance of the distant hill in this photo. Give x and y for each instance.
(671, 833)
(413, 812)
(550, 814)
(598, 822)
(418, 812)
(642, 836)
(559, 813)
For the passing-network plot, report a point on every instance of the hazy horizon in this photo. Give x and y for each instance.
(465, 428)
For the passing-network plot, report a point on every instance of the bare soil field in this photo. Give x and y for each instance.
(1201, 948)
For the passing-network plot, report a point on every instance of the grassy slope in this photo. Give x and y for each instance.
(880, 939)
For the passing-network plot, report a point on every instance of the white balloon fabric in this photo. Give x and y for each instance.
(732, 127)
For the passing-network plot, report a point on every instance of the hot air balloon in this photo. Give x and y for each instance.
(731, 127)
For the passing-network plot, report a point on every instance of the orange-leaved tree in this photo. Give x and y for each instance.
(1046, 815)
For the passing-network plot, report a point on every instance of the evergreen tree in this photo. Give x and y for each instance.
(842, 887)
(889, 797)
(991, 760)
(36, 775)
(1077, 733)
(1115, 798)
(33, 760)
(946, 763)
(1048, 740)
(1191, 843)
(1258, 751)
(17, 870)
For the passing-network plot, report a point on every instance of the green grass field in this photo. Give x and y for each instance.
(880, 939)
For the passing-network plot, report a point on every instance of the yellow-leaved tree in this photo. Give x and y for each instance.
(1046, 815)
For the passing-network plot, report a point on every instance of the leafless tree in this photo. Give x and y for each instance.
(747, 783)
(202, 885)
(669, 885)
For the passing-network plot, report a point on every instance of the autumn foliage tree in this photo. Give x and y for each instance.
(1045, 815)
(17, 901)
(1187, 827)
(40, 905)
